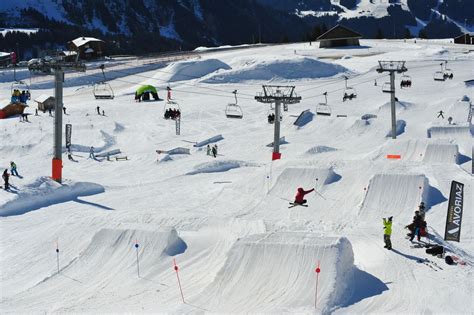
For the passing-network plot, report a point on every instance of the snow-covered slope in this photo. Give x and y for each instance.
(225, 222)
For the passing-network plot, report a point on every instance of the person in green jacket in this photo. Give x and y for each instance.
(387, 226)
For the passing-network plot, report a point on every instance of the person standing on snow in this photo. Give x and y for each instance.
(98, 110)
(299, 198)
(5, 177)
(440, 114)
(387, 227)
(421, 209)
(417, 223)
(208, 150)
(214, 151)
(91, 153)
(13, 169)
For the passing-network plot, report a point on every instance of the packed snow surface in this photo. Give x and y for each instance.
(224, 225)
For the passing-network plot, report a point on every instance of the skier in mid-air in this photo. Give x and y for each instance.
(299, 198)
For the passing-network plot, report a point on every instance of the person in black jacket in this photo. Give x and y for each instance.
(417, 222)
(5, 177)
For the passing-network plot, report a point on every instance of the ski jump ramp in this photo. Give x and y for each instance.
(292, 178)
(397, 195)
(275, 273)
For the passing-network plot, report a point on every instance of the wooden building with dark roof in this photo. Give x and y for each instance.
(466, 39)
(339, 36)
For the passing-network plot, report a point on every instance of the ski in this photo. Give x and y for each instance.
(292, 205)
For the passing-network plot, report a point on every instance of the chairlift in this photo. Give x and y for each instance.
(233, 110)
(405, 81)
(102, 90)
(349, 92)
(271, 115)
(20, 86)
(439, 76)
(171, 110)
(323, 109)
(387, 87)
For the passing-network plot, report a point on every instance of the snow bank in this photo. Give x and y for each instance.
(189, 70)
(45, 192)
(398, 195)
(449, 132)
(320, 149)
(277, 68)
(209, 141)
(304, 118)
(399, 106)
(220, 166)
(275, 273)
(291, 178)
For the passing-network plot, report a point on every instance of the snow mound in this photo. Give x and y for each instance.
(291, 178)
(275, 273)
(368, 116)
(189, 70)
(320, 149)
(441, 153)
(304, 118)
(109, 263)
(399, 128)
(45, 192)
(399, 106)
(465, 98)
(398, 195)
(450, 132)
(220, 166)
(266, 69)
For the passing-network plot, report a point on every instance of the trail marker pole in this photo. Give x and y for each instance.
(318, 270)
(57, 255)
(176, 268)
(138, 265)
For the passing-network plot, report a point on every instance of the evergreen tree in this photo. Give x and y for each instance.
(422, 34)
(407, 33)
(379, 34)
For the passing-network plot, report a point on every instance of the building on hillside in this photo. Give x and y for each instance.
(45, 102)
(466, 38)
(87, 47)
(68, 55)
(5, 59)
(339, 36)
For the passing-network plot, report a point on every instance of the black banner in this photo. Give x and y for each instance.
(68, 135)
(454, 218)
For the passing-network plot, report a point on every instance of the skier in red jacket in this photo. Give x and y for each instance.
(299, 198)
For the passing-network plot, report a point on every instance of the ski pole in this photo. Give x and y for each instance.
(320, 195)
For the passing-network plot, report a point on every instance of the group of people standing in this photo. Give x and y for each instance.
(212, 150)
(6, 175)
(417, 227)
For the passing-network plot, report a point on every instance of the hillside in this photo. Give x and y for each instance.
(114, 236)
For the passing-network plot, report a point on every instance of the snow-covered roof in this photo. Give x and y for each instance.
(80, 41)
(42, 98)
(69, 53)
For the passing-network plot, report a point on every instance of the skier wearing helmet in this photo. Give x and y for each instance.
(299, 198)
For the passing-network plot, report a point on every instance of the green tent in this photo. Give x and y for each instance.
(143, 93)
(146, 88)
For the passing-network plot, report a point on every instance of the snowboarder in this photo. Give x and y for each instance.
(421, 209)
(450, 120)
(50, 113)
(299, 198)
(36, 112)
(440, 114)
(91, 153)
(208, 150)
(214, 151)
(13, 168)
(103, 112)
(5, 177)
(387, 226)
(417, 223)
(64, 110)
(98, 110)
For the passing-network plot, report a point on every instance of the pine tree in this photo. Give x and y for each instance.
(407, 33)
(379, 34)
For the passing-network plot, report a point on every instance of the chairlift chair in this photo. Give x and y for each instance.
(349, 92)
(323, 109)
(387, 87)
(233, 110)
(102, 90)
(439, 76)
(405, 81)
(21, 86)
(270, 112)
(171, 105)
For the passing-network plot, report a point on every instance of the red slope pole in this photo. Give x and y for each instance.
(177, 277)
